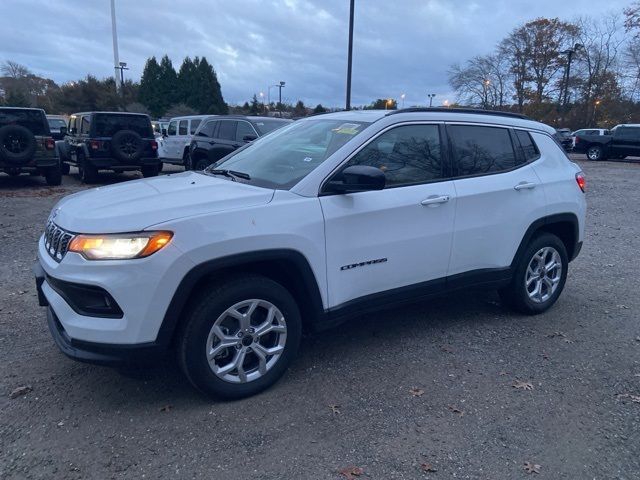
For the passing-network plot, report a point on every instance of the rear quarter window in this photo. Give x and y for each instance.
(108, 125)
(34, 120)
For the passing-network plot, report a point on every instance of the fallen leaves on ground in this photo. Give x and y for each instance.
(531, 467)
(335, 409)
(23, 390)
(427, 467)
(633, 398)
(522, 385)
(351, 472)
(166, 408)
(447, 348)
(556, 334)
(416, 392)
(456, 410)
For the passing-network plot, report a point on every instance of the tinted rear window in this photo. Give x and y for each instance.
(528, 147)
(108, 125)
(266, 126)
(481, 150)
(34, 120)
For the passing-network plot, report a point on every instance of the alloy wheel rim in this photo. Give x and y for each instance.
(543, 274)
(593, 154)
(246, 341)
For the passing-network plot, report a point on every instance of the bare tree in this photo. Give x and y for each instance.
(482, 81)
(14, 70)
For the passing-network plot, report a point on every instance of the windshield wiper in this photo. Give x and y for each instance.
(230, 173)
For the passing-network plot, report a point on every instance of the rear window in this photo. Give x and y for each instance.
(266, 126)
(194, 125)
(56, 123)
(34, 120)
(527, 146)
(108, 125)
(481, 150)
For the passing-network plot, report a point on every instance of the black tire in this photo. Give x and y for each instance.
(201, 163)
(595, 153)
(88, 173)
(127, 146)
(186, 160)
(516, 295)
(17, 144)
(204, 312)
(53, 175)
(150, 170)
(65, 168)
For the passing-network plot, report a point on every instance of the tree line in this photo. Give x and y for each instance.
(579, 73)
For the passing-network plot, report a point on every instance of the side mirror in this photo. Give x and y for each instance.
(249, 138)
(357, 178)
(63, 131)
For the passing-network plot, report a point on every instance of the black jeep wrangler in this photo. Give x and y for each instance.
(115, 141)
(26, 144)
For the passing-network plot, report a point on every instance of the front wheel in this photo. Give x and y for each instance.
(539, 276)
(150, 170)
(88, 173)
(595, 153)
(239, 337)
(200, 164)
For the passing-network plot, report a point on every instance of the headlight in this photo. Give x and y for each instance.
(119, 246)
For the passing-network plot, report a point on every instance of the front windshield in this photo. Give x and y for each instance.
(286, 156)
(56, 123)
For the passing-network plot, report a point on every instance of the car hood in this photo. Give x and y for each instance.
(138, 204)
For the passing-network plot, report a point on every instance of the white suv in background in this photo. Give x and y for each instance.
(329, 217)
(180, 131)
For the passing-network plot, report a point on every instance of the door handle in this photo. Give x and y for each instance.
(524, 186)
(435, 200)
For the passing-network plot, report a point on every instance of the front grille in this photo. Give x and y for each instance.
(56, 241)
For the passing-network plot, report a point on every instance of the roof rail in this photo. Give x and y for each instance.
(476, 111)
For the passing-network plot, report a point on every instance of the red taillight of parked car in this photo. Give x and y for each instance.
(95, 144)
(582, 181)
(154, 145)
(49, 144)
(576, 140)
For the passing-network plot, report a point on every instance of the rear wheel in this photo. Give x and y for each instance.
(539, 276)
(65, 168)
(240, 336)
(595, 153)
(88, 173)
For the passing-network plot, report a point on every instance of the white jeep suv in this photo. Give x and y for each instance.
(329, 217)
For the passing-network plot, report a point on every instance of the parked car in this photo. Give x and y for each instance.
(180, 131)
(565, 138)
(26, 144)
(219, 136)
(115, 141)
(329, 217)
(588, 131)
(623, 141)
(160, 127)
(55, 123)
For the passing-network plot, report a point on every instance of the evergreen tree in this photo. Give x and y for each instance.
(167, 83)
(149, 92)
(299, 110)
(187, 80)
(207, 96)
(256, 107)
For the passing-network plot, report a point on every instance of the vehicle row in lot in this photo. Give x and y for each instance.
(621, 142)
(328, 217)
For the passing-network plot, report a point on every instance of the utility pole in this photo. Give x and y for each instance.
(350, 54)
(114, 32)
(569, 53)
(431, 95)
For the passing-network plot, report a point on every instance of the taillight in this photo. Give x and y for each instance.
(577, 139)
(95, 144)
(50, 143)
(582, 181)
(154, 145)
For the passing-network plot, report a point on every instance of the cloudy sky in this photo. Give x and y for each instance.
(400, 46)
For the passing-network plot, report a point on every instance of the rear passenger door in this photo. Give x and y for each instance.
(170, 141)
(498, 196)
(225, 140)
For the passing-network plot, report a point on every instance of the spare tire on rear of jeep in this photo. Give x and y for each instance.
(17, 144)
(127, 146)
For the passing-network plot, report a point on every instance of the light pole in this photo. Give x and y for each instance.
(350, 55)
(402, 98)
(114, 33)
(569, 53)
(431, 95)
(122, 66)
(279, 86)
(595, 111)
(262, 100)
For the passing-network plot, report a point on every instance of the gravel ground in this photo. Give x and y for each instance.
(430, 386)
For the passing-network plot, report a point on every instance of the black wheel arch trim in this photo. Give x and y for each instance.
(543, 222)
(198, 273)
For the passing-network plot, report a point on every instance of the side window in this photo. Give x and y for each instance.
(182, 127)
(85, 124)
(209, 129)
(528, 148)
(244, 128)
(172, 128)
(73, 125)
(227, 130)
(193, 126)
(407, 155)
(481, 150)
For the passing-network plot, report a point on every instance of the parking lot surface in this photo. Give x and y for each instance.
(455, 388)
